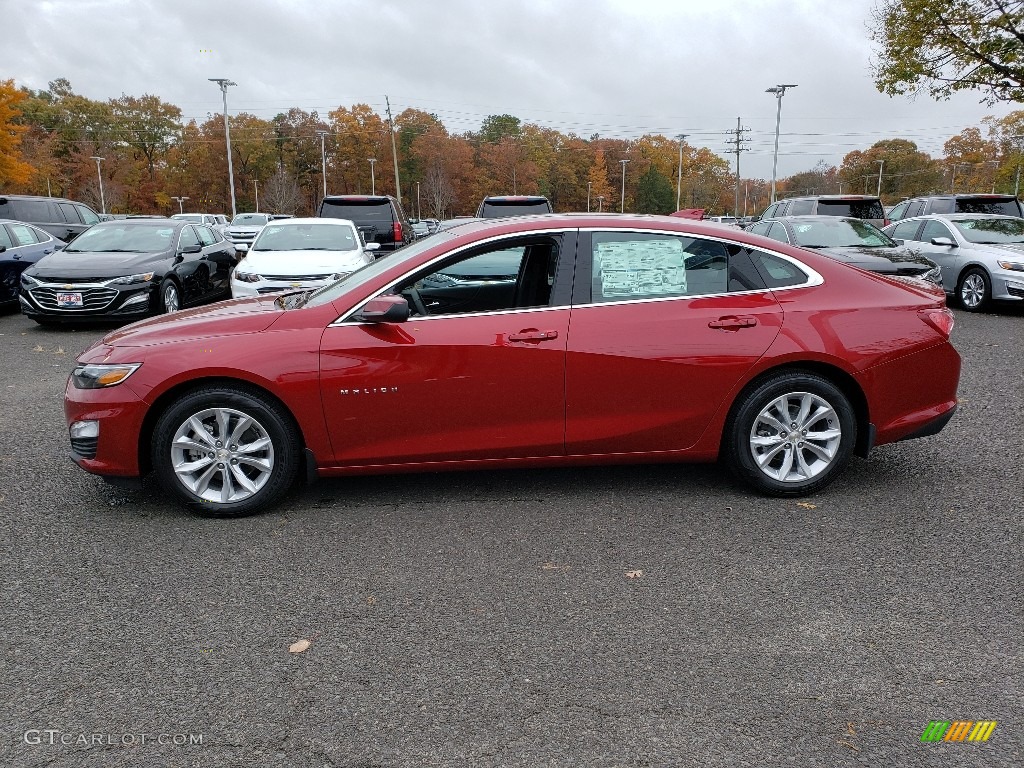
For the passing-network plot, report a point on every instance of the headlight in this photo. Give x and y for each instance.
(143, 277)
(100, 376)
(1013, 266)
(28, 281)
(247, 277)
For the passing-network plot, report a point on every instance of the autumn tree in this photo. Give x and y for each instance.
(147, 124)
(822, 179)
(906, 171)
(281, 193)
(945, 46)
(973, 159)
(13, 170)
(600, 189)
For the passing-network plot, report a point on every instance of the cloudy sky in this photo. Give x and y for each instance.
(619, 68)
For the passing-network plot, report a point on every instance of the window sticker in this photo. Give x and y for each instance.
(640, 268)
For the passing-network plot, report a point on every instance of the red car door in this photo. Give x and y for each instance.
(484, 379)
(665, 327)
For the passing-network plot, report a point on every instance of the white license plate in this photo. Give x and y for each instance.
(69, 299)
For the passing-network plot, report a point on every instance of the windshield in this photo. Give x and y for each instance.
(195, 218)
(991, 231)
(496, 209)
(330, 292)
(839, 233)
(122, 238)
(250, 219)
(307, 237)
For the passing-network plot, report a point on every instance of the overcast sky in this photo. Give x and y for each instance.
(620, 68)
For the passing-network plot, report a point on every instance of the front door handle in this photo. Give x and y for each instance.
(532, 334)
(733, 322)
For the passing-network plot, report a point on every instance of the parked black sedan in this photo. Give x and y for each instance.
(854, 241)
(21, 246)
(129, 268)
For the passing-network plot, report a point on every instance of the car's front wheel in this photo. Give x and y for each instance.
(974, 290)
(791, 434)
(170, 298)
(226, 451)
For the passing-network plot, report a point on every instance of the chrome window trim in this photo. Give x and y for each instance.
(814, 278)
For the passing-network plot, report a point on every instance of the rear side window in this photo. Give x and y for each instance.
(776, 272)
(778, 232)
(23, 235)
(800, 208)
(1004, 206)
(359, 211)
(5, 238)
(941, 205)
(206, 235)
(70, 214)
(916, 208)
(858, 209)
(31, 210)
(936, 229)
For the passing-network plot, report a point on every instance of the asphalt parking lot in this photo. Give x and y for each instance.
(636, 616)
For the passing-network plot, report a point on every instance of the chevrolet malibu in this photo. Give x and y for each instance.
(528, 342)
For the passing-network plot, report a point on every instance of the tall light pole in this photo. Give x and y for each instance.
(223, 82)
(589, 185)
(881, 165)
(256, 189)
(99, 175)
(622, 204)
(419, 213)
(600, 203)
(952, 182)
(779, 91)
(373, 179)
(323, 157)
(679, 170)
(181, 201)
(1020, 150)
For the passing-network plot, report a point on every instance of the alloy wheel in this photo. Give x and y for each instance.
(795, 437)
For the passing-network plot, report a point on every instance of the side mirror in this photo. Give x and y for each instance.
(372, 246)
(192, 249)
(384, 309)
(241, 247)
(899, 241)
(943, 241)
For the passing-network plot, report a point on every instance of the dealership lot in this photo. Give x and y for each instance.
(655, 615)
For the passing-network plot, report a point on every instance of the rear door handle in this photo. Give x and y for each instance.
(733, 323)
(532, 334)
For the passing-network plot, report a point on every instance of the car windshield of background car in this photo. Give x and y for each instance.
(307, 237)
(364, 274)
(992, 231)
(250, 219)
(372, 210)
(840, 234)
(500, 210)
(195, 218)
(122, 239)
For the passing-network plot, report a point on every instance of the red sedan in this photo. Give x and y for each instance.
(534, 341)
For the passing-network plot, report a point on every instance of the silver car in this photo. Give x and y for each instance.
(981, 255)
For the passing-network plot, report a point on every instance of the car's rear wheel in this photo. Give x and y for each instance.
(170, 297)
(791, 434)
(974, 290)
(226, 451)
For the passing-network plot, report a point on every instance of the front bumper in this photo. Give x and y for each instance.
(99, 301)
(119, 412)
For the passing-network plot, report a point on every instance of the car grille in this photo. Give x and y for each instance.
(92, 298)
(84, 446)
(295, 278)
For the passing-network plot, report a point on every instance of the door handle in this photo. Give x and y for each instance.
(532, 334)
(733, 323)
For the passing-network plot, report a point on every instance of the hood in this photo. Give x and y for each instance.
(1014, 248)
(238, 316)
(99, 265)
(296, 263)
(879, 259)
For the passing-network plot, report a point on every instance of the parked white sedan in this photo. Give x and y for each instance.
(295, 254)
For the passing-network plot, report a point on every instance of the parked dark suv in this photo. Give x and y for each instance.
(379, 218)
(512, 205)
(64, 219)
(866, 207)
(1005, 205)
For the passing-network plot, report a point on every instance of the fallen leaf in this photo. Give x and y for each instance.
(806, 505)
(371, 600)
(848, 744)
(298, 646)
(634, 574)
(850, 729)
(38, 349)
(59, 351)
(554, 567)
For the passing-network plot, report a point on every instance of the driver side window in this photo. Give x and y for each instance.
(511, 275)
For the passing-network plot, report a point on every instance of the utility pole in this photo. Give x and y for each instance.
(737, 142)
(103, 200)
(679, 169)
(223, 82)
(256, 189)
(881, 165)
(373, 177)
(323, 156)
(622, 206)
(589, 185)
(394, 150)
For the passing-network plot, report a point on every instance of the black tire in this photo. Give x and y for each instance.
(167, 288)
(224, 494)
(974, 290)
(740, 441)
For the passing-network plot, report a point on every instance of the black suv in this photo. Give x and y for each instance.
(379, 218)
(513, 205)
(1007, 205)
(866, 207)
(64, 219)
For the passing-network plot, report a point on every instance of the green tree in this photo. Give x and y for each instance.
(944, 46)
(496, 127)
(654, 193)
